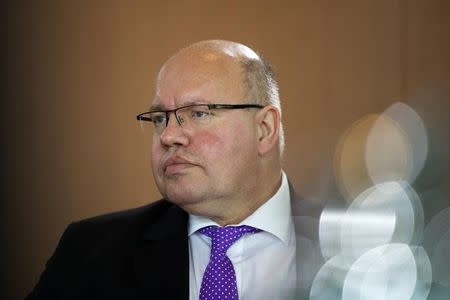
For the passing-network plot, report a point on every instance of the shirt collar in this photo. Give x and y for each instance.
(274, 216)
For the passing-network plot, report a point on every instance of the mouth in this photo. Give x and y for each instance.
(176, 166)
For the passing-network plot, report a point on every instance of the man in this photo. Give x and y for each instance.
(216, 159)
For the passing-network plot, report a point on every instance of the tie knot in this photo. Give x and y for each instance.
(223, 237)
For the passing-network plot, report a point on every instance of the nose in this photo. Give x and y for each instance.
(173, 134)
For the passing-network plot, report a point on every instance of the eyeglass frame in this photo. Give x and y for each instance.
(141, 117)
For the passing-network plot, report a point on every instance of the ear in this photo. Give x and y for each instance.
(268, 128)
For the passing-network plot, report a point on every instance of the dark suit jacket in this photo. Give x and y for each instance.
(143, 253)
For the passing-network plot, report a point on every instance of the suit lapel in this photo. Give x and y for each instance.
(161, 259)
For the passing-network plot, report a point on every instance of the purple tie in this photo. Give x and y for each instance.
(219, 279)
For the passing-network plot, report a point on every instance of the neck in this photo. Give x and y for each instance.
(242, 208)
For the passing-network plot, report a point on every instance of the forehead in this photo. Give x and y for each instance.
(200, 76)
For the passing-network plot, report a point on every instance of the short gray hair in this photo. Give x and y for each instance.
(262, 86)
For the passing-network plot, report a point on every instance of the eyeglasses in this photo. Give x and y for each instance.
(195, 115)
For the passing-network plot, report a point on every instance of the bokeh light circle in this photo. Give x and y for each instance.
(385, 272)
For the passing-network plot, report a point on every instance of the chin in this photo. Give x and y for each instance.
(182, 193)
(184, 200)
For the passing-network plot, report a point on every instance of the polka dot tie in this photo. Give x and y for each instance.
(219, 279)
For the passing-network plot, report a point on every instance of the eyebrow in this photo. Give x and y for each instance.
(158, 107)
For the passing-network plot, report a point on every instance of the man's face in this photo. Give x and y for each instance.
(212, 166)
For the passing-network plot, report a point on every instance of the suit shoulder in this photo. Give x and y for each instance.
(118, 223)
(152, 210)
(88, 247)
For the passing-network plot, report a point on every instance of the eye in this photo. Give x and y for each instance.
(158, 119)
(200, 114)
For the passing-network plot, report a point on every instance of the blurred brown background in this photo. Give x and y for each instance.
(77, 72)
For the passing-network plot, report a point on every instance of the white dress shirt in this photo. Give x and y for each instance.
(264, 262)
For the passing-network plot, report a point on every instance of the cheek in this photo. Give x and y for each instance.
(155, 155)
(223, 145)
(210, 145)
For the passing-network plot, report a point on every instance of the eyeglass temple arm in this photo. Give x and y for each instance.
(234, 106)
